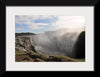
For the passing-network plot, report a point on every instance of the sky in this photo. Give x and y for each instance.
(42, 23)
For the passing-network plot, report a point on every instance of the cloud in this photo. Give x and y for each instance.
(70, 22)
(23, 19)
(19, 28)
(37, 26)
(29, 21)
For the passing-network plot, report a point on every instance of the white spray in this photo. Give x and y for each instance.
(59, 42)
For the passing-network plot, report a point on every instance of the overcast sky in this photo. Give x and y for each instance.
(41, 23)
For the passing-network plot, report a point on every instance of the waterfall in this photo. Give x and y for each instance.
(59, 42)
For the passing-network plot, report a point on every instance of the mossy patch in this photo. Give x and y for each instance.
(17, 52)
(36, 57)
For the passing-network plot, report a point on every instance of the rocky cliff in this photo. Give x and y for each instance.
(79, 47)
(23, 44)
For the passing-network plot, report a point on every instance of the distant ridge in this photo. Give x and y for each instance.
(23, 34)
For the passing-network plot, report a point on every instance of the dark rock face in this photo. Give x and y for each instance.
(79, 47)
(24, 44)
(23, 34)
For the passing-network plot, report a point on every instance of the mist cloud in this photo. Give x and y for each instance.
(59, 42)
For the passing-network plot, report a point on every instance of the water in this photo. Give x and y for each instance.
(59, 42)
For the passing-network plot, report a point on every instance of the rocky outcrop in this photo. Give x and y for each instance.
(79, 47)
(24, 44)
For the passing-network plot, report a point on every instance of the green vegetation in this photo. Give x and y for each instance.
(71, 59)
(35, 57)
(17, 52)
(64, 59)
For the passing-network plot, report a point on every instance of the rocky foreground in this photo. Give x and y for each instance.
(35, 57)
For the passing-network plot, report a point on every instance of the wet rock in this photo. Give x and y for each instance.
(79, 47)
(24, 44)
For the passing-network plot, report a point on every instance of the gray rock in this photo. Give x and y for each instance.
(24, 44)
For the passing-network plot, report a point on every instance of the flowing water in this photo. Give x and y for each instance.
(59, 42)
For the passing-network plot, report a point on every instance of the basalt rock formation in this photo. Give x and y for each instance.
(79, 47)
(24, 44)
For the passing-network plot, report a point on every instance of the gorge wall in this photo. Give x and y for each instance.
(23, 44)
(79, 47)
